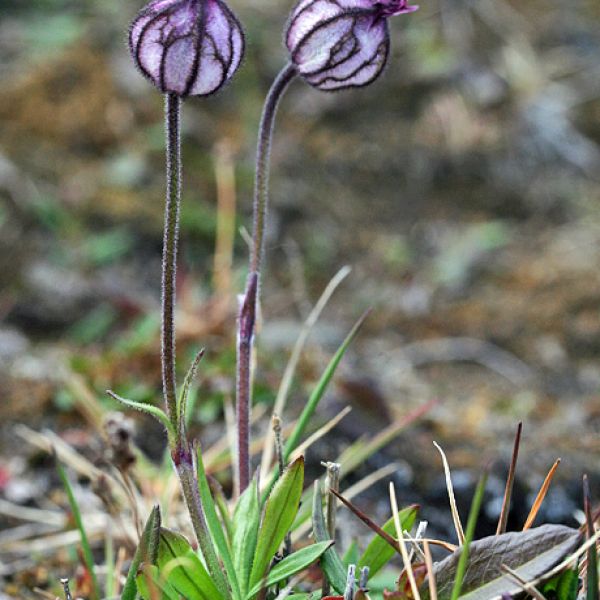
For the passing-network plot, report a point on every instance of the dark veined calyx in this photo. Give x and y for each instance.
(337, 44)
(187, 47)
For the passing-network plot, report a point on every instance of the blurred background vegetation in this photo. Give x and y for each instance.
(462, 188)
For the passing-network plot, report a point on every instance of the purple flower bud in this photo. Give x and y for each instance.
(338, 44)
(187, 47)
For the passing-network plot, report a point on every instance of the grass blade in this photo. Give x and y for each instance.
(320, 389)
(470, 534)
(88, 557)
(290, 369)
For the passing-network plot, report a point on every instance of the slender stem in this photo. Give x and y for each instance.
(247, 317)
(169, 266)
(263, 152)
(180, 452)
(189, 485)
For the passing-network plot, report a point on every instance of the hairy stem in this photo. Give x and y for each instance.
(247, 316)
(189, 485)
(169, 266)
(181, 455)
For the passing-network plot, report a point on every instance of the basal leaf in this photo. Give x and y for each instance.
(149, 582)
(215, 528)
(280, 510)
(146, 552)
(182, 569)
(530, 553)
(245, 531)
(378, 553)
(291, 565)
(332, 566)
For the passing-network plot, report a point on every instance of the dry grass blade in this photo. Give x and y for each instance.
(44, 594)
(541, 495)
(430, 574)
(530, 590)
(34, 515)
(317, 435)
(510, 479)
(433, 542)
(226, 208)
(290, 369)
(403, 551)
(355, 455)
(453, 508)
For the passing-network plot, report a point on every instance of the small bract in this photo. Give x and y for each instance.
(336, 44)
(187, 47)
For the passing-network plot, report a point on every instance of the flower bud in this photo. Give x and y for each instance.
(337, 44)
(187, 47)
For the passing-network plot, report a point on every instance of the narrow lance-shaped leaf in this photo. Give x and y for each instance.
(151, 585)
(146, 552)
(291, 565)
(280, 510)
(181, 568)
(151, 410)
(245, 531)
(214, 526)
(185, 392)
(332, 566)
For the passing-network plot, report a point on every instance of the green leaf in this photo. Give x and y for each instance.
(332, 566)
(280, 511)
(319, 391)
(379, 552)
(149, 409)
(149, 581)
(215, 528)
(246, 519)
(146, 552)
(182, 569)
(88, 557)
(530, 553)
(562, 587)
(568, 585)
(291, 565)
(185, 392)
